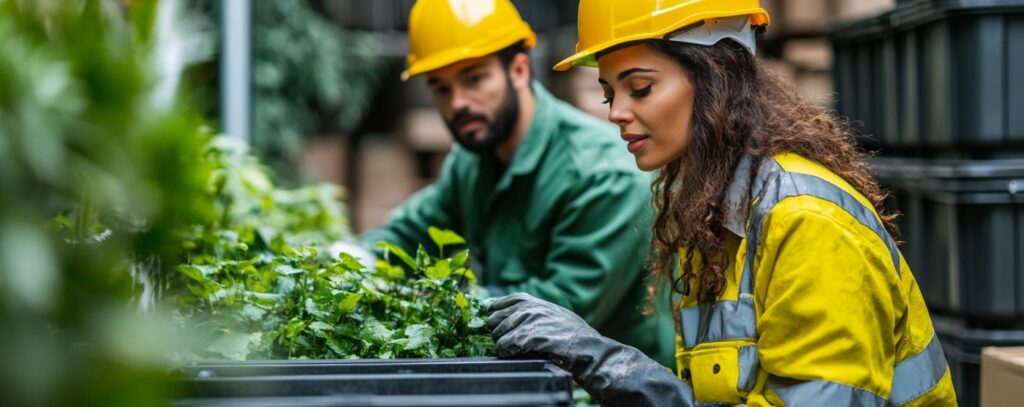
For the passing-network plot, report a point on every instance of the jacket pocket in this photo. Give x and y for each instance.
(713, 372)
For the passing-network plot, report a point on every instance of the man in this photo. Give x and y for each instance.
(548, 198)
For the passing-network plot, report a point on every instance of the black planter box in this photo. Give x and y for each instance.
(361, 366)
(400, 382)
(457, 400)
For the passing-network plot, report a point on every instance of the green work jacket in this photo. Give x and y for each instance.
(567, 221)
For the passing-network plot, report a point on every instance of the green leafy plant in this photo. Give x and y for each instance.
(258, 282)
(82, 137)
(300, 305)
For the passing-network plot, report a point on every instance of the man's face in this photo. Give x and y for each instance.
(477, 102)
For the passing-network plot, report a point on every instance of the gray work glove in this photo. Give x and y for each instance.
(613, 373)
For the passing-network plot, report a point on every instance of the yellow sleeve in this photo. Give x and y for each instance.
(828, 303)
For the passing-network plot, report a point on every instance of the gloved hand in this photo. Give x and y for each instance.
(613, 373)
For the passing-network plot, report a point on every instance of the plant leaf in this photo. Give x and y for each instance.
(419, 336)
(422, 257)
(294, 327)
(320, 327)
(336, 346)
(287, 270)
(389, 272)
(252, 312)
(470, 276)
(192, 272)
(398, 251)
(459, 260)
(312, 309)
(349, 302)
(350, 263)
(461, 302)
(444, 237)
(375, 332)
(234, 346)
(440, 270)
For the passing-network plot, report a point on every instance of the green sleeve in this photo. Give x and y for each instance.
(598, 246)
(431, 206)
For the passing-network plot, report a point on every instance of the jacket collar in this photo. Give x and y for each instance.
(535, 142)
(735, 199)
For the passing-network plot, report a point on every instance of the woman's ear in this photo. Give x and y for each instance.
(519, 71)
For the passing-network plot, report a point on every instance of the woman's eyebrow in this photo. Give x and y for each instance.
(622, 75)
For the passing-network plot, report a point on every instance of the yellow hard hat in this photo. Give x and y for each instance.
(442, 32)
(604, 24)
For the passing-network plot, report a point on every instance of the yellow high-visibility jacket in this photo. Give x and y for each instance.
(820, 307)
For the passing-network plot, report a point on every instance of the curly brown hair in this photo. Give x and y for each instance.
(739, 108)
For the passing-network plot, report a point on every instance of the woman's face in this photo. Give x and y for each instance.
(650, 98)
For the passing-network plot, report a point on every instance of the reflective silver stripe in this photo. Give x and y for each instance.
(918, 374)
(749, 365)
(768, 171)
(723, 320)
(822, 393)
(783, 185)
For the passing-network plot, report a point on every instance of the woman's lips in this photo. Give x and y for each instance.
(635, 142)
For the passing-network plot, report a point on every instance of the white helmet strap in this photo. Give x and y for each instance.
(737, 28)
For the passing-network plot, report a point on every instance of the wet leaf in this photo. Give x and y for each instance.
(374, 331)
(419, 336)
(234, 346)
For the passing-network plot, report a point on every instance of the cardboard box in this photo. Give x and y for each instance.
(1002, 377)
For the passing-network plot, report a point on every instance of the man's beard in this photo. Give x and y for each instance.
(497, 132)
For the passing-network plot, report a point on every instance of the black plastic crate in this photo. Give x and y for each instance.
(857, 50)
(962, 346)
(935, 75)
(399, 382)
(963, 224)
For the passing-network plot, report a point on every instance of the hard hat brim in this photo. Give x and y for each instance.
(452, 56)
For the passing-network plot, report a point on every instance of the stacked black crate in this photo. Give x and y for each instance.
(939, 87)
(400, 382)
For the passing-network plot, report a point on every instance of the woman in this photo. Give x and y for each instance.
(790, 287)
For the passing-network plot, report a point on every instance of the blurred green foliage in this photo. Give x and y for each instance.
(81, 136)
(246, 202)
(115, 197)
(310, 76)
